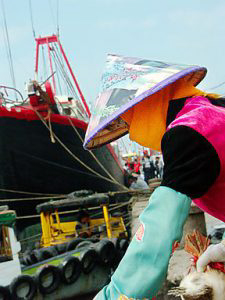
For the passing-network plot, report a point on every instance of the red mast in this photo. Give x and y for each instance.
(54, 39)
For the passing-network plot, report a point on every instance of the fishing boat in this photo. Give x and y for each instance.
(41, 137)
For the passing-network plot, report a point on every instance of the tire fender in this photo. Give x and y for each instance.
(42, 273)
(72, 263)
(83, 244)
(47, 253)
(21, 280)
(106, 251)
(73, 244)
(88, 260)
(5, 293)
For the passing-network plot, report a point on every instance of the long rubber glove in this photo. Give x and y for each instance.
(143, 269)
(214, 253)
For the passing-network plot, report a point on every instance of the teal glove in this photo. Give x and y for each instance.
(143, 269)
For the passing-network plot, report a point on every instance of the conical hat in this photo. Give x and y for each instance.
(125, 83)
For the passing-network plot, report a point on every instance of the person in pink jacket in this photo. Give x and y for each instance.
(163, 111)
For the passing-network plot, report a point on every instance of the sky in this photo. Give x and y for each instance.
(189, 32)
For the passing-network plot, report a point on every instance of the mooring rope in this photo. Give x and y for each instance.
(32, 199)
(75, 157)
(92, 154)
(26, 193)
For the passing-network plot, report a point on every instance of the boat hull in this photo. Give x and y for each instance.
(31, 162)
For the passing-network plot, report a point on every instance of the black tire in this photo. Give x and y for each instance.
(36, 256)
(4, 293)
(61, 248)
(116, 242)
(73, 244)
(70, 269)
(93, 240)
(123, 245)
(26, 260)
(52, 272)
(47, 253)
(89, 260)
(106, 251)
(21, 281)
(84, 244)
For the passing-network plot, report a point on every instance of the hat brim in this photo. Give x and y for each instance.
(113, 127)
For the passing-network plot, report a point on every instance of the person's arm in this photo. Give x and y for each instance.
(143, 269)
(214, 253)
(144, 266)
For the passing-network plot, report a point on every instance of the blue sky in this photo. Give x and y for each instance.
(190, 32)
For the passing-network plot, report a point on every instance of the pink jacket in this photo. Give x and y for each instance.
(209, 120)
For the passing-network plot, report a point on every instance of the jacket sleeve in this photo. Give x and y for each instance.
(191, 164)
(144, 266)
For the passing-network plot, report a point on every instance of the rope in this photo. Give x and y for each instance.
(31, 199)
(74, 156)
(113, 207)
(27, 193)
(54, 196)
(50, 128)
(95, 158)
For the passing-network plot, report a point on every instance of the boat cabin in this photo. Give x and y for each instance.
(100, 225)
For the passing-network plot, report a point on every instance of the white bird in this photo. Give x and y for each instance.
(209, 285)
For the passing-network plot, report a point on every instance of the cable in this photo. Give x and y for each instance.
(8, 48)
(52, 14)
(217, 86)
(57, 17)
(10, 88)
(74, 89)
(64, 73)
(44, 62)
(31, 18)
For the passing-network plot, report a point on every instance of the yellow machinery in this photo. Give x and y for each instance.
(55, 231)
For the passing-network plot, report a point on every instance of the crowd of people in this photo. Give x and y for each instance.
(140, 169)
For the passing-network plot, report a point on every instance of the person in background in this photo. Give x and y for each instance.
(126, 174)
(83, 227)
(137, 165)
(131, 166)
(148, 166)
(136, 182)
(158, 167)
